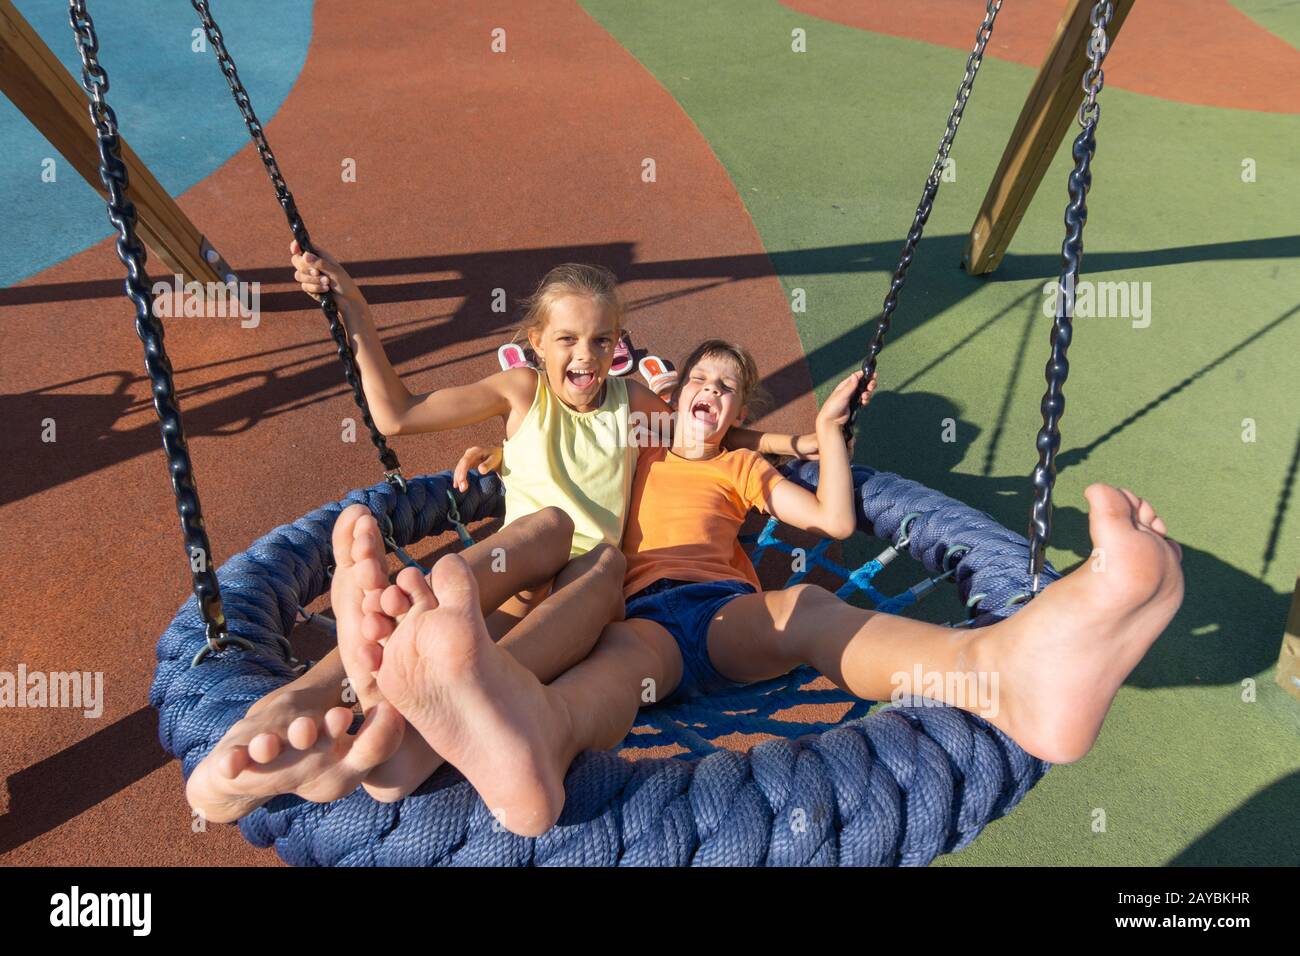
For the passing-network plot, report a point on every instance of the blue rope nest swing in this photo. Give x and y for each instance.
(896, 787)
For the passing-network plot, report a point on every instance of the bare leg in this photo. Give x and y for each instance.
(1053, 668)
(512, 566)
(294, 740)
(523, 554)
(516, 607)
(511, 736)
(587, 595)
(520, 560)
(562, 630)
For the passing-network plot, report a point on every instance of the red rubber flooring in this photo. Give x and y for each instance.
(475, 171)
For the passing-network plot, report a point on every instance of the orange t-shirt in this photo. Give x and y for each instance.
(686, 515)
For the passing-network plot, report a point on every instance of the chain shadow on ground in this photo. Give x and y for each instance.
(935, 287)
(1230, 624)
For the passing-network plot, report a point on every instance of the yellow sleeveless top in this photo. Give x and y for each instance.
(582, 462)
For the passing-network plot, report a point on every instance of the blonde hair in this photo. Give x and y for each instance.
(571, 278)
(753, 397)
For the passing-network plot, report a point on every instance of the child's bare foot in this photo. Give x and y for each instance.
(356, 593)
(1062, 658)
(474, 704)
(252, 763)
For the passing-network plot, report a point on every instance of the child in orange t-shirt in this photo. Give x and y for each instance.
(685, 562)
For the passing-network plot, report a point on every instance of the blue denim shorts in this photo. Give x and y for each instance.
(685, 609)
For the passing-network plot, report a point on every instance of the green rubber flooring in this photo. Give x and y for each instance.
(1190, 400)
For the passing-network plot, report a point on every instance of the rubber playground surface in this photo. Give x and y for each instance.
(775, 172)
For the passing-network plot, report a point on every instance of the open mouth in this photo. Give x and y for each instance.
(581, 380)
(705, 413)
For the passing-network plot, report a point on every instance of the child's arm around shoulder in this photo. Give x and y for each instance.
(644, 402)
(773, 443)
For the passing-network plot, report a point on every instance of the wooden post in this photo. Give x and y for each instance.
(1048, 113)
(1288, 664)
(34, 79)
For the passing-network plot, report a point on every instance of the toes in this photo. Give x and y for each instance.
(366, 658)
(1158, 526)
(337, 722)
(233, 762)
(344, 532)
(376, 627)
(378, 738)
(265, 747)
(1106, 502)
(303, 733)
(454, 585)
(409, 579)
(394, 602)
(1146, 513)
(415, 587)
(368, 552)
(376, 624)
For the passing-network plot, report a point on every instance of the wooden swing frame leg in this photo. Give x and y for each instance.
(32, 77)
(1048, 113)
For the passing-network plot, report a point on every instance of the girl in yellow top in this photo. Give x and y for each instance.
(568, 465)
(569, 441)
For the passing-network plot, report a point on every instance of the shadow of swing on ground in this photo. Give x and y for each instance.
(294, 383)
(1229, 624)
(1263, 831)
(53, 791)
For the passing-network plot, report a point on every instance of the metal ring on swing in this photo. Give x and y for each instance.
(396, 478)
(215, 645)
(904, 536)
(952, 558)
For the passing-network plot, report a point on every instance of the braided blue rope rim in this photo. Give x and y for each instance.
(897, 787)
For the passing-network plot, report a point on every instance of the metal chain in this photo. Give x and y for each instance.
(121, 213)
(923, 209)
(1058, 366)
(392, 468)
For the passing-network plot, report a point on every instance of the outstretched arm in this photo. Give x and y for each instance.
(830, 511)
(491, 397)
(319, 273)
(395, 409)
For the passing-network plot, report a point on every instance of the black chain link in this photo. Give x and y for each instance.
(1058, 366)
(392, 468)
(121, 213)
(923, 210)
